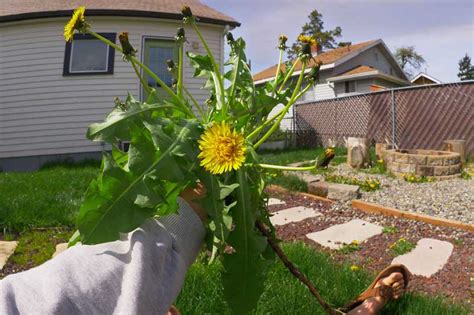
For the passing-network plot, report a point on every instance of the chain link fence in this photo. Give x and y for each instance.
(420, 117)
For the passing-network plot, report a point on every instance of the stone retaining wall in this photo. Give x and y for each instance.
(441, 164)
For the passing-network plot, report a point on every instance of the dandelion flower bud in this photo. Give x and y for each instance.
(127, 48)
(180, 35)
(282, 42)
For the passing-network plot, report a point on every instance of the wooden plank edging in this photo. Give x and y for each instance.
(375, 208)
(284, 190)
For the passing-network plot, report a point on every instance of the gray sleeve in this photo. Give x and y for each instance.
(140, 274)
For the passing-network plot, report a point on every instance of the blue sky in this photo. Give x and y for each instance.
(441, 30)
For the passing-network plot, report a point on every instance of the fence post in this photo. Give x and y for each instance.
(293, 127)
(394, 118)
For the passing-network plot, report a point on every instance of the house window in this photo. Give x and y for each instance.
(349, 86)
(87, 55)
(156, 53)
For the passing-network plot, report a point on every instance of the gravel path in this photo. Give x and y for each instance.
(450, 199)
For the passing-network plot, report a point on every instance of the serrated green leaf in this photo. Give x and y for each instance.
(241, 290)
(120, 200)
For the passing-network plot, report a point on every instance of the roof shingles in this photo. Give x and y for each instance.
(327, 57)
(25, 9)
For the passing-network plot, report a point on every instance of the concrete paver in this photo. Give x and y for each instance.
(59, 249)
(275, 201)
(6, 250)
(427, 258)
(337, 235)
(294, 214)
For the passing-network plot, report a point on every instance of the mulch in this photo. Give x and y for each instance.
(452, 281)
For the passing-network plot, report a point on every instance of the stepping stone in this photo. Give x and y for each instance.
(334, 191)
(336, 236)
(294, 214)
(427, 258)
(275, 201)
(59, 249)
(6, 250)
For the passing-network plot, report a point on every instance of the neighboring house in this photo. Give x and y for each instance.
(358, 68)
(423, 78)
(51, 91)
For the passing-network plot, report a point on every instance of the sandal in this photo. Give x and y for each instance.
(383, 290)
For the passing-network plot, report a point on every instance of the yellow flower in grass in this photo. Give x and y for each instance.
(355, 242)
(222, 149)
(355, 268)
(77, 22)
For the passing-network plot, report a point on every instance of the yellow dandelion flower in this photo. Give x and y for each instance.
(355, 242)
(222, 149)
(305, 39)
(77, 22)
(355, 268)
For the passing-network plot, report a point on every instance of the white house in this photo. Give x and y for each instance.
(359, 68)
(50, 91)
(424, 78)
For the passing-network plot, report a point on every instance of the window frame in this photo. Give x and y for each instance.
(348, 84)
(110, 56)
(142, 56)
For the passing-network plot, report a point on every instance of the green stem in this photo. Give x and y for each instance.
(282, 112)
(288, 75)
(180, 70)
(196, 104)
(293, 98)
(217, 71)
(142, 80)
(147, 70)
(277, 74)
(234, 79)
(287, 168)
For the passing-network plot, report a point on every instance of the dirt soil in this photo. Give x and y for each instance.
(452, 281)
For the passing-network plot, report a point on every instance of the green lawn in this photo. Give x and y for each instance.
(202, 292)
(49, 197)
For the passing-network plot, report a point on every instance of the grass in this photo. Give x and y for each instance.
(401, 247)
(36, 247)
(46, 198)
(390, 230)
(354, 246)
(299, 155)
(283, 294)
(365, 185)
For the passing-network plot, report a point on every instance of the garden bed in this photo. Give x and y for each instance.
(452, 281)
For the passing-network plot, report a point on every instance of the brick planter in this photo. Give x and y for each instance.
(431, 163)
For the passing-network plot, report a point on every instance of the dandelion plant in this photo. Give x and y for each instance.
(176, 142)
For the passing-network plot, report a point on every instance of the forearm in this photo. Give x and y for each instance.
(140, 274)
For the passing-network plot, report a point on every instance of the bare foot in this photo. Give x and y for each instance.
(373, 305)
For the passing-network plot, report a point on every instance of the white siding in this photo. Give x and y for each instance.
(361, 86)
(373, 57)
(42, 112)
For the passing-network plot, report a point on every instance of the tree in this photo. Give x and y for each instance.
(315, 28)
(408, 59)
(466, 69)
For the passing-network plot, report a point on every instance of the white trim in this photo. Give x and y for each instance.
(142, 58)
(426, 76)
(368, 75)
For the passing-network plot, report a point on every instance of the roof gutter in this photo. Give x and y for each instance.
(111, 12)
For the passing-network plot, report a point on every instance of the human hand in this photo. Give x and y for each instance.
(192, 195)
